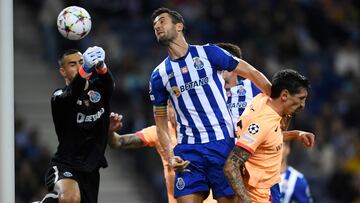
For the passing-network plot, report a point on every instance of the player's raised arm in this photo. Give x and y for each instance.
(246, 70)
(107, 83)
(223, 60)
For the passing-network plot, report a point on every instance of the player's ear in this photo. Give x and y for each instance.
(284, 94)
(179, 27)
(62, 72)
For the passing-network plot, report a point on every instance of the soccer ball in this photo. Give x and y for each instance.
(74, 23)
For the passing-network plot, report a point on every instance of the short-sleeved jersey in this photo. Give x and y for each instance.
(294, 187)
(259, 133)
(80, 114)
(196, 89)
(239, 96)
(149, 137)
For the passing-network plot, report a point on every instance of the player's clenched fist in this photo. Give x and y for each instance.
(179, 165)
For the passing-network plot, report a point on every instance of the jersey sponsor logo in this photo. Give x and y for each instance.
(253, 128)
(247, 138)
(176, 91)
(94, 96)
(67, 174)
(198, 64)
(180, 183)
(192, 84)
(237, 105)
(81, 118)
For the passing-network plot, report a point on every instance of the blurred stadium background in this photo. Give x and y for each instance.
(319, 38)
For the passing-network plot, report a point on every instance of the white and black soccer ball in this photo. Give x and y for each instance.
(74, 23)
(253, 128)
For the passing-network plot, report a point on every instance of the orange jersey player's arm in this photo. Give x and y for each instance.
(116, 141)
(307, 138)
(232, 169)
(127, 141)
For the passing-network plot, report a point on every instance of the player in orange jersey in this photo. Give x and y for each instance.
(254, 164)
(147, 137)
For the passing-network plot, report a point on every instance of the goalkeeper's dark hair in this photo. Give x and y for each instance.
(175, 16)
(231, 48)
(290, 80)
(66, 53)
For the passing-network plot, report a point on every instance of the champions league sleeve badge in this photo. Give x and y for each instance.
(94, 96)
(253, 128)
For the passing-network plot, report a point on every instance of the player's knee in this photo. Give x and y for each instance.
(70, 198)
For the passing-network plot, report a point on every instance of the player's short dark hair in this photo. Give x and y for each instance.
(290, 80)
(66, 53)
(231, 48)
(175, 16)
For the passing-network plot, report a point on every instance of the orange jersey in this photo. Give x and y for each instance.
(259, 132)
(149, 137)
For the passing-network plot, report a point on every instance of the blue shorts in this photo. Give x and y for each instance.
(275, 193)
(206, 165)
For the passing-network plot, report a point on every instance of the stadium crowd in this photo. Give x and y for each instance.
(319, 38)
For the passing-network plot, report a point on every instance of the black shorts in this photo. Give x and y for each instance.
(88, 181)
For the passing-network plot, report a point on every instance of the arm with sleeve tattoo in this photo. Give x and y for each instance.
(128, 141)
(232, 170)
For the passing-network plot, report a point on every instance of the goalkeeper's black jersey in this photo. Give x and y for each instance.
(81, 117)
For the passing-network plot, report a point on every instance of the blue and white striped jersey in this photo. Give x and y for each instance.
(196, 89)
(294, 187)
(239, 96)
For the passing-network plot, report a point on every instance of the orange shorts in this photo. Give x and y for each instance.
(259, 195)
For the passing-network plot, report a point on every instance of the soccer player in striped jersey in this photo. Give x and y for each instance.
(293, 185)
(191, 77)
(239, 91)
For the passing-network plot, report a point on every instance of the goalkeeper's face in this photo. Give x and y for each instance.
(71, 65)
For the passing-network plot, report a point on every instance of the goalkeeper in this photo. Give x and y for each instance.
(81, 117)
